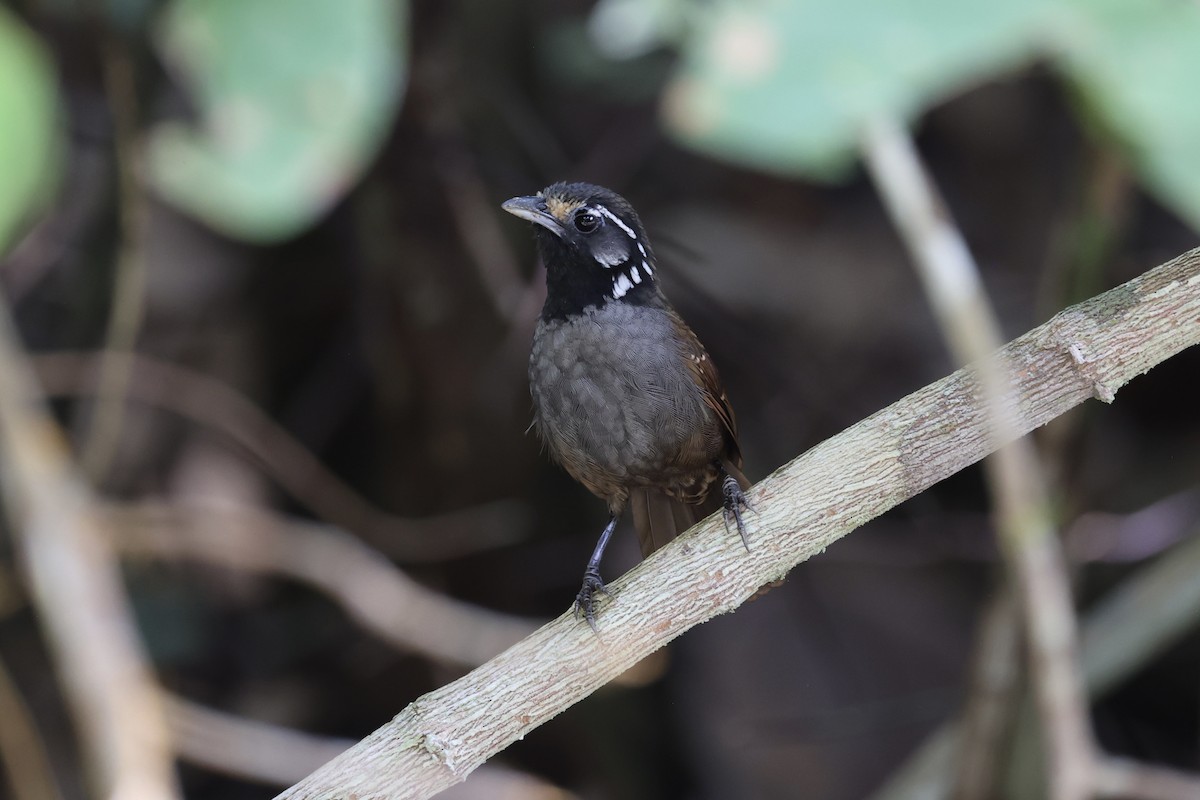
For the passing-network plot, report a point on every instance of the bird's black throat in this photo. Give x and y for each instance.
(575, 281)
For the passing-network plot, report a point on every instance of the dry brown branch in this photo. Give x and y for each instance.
(1090, 349)
(992, 701)
(75, 584)
(1014, 473)
(374, 592)
(129, 282)
(1122, 779)
(265, 753)
(379, 596)
(1143, 617)
(22, 750)
(218, 406)
(244, 748)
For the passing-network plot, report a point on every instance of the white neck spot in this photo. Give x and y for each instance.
(610, 258)
(621, 286)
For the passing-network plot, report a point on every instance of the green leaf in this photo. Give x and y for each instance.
(1137, 65)
(28, 130)
(786, 86)
(295, 98)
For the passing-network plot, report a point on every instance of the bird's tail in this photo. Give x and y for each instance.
(659, 518)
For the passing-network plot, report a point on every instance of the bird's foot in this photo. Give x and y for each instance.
(735, 502)
(585, 601)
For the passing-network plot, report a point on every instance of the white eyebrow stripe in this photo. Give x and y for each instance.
(617, 220)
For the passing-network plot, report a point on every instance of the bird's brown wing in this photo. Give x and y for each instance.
(658, 517)
(704, 373)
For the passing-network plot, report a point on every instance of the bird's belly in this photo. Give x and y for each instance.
(617, 407)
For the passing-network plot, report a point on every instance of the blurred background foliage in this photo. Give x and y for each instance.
(28, 116)
(294, 98)
(317, 184)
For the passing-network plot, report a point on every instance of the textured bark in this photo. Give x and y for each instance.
(1088, 350)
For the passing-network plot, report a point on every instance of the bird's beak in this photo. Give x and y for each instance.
(534, 210)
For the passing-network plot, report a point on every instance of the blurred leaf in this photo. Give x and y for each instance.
(28, 132)
(785, 86)
(1137, 63)
(296, 96)
(622, 29)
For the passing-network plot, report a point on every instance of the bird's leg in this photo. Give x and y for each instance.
(734, 501)
(586, 599)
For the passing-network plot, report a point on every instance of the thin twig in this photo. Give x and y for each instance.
(995, 681)
(75, 585)
(129, 282)
(379, 596)
(220, 407)
(375, 593)
(1105, 537)
(802, 508)
(245, 748)
(473, 212)
(1124, 779)
(1142, 618)
(1027, 532)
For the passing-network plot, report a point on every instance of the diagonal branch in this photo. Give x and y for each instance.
(75, 585)
(266, 753)
(131, 275)
(219, 407)
(380, 596)
(1091, 349)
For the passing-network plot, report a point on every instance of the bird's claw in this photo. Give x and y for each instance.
(735, 501)
(585, 601)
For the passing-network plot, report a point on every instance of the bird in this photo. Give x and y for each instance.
(625, 397)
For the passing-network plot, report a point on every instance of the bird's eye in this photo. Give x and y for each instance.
(586, 222)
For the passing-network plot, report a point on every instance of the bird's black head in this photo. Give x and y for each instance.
(593, 245)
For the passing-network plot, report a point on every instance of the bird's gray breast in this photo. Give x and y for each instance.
(614, 399)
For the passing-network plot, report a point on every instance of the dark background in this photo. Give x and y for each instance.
(375, 341)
